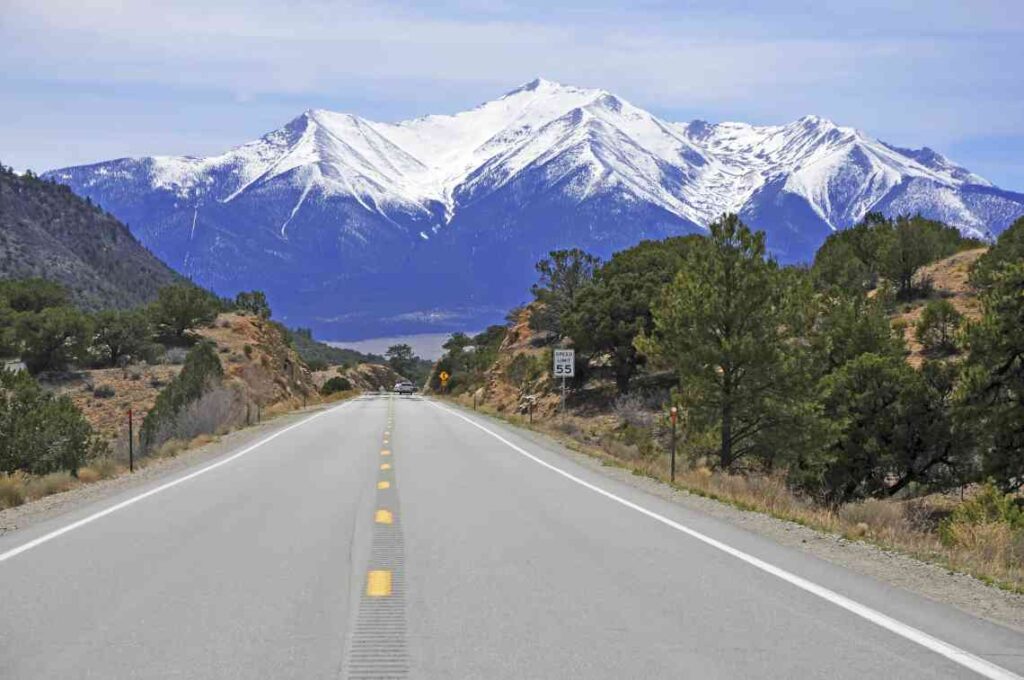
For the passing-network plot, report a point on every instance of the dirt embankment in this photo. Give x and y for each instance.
(949, 280)
(255, 355)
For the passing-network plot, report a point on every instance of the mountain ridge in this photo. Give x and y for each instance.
(48, 232)
(332, 199)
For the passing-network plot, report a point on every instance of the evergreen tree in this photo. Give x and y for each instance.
(615, 308)
(563, 274)
(995, 383)
(938, 326)
(253, 302)
(120, 335)
(720, 323)
(54, 338)
(181, 308)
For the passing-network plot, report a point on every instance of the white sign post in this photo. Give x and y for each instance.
(565, 367)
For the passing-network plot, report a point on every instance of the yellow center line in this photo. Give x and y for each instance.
(385, 466)
(383, 485)
(383, 516)
(378, 583)
(385, 452)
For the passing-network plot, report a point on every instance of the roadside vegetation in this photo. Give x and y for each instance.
(797, 389)
(190, 365)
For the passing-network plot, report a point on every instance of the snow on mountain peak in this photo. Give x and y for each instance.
(695, 170)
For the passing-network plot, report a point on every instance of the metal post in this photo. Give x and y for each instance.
(248, 418)
(259, 413)
(474, 401)
(563, 396)
(131, 443)
(672, 474)
(529, 407)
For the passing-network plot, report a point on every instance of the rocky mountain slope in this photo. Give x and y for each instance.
(368, 228)
(47, 231)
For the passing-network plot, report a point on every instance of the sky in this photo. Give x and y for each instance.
(90, 80)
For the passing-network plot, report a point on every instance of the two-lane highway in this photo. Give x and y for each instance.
(399, 537)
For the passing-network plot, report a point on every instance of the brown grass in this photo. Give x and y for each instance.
(12, 490)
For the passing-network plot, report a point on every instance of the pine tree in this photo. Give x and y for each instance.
(721, 324)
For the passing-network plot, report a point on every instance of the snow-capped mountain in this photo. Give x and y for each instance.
(360, 227)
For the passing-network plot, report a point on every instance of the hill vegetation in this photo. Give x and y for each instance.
(47, 231)
(862, 379)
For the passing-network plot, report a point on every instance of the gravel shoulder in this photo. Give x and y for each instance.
(928, 580)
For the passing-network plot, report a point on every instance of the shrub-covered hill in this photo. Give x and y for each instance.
(48, 232)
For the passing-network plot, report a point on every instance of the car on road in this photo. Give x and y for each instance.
(404, 387)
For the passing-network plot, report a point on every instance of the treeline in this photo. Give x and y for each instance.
(799, 370)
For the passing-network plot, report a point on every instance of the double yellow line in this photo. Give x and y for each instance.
(378, 581)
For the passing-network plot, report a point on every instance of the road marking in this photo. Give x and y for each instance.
(378, 583)
(385, 466)
(383, 485)
(385, 452)
(163, 487)
(953, 653)
(383, 516)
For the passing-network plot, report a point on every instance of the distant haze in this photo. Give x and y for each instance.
(425, 345)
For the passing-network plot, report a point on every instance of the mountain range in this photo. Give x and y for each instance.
(359, 228)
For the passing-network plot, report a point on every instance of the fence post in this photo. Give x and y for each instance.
(673, 414)
(131, 443)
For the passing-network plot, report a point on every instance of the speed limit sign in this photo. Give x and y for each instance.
(565, 363)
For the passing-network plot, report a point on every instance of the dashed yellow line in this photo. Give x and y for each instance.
(385, 452)
(385, 466)
(378, 583)
(383, 516)
(383, 485)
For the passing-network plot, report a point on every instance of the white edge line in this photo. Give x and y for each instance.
(951, 652)
(163, 487)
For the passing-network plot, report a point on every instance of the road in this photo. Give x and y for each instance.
(468, 550)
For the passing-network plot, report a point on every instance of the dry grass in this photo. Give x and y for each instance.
(171, 448)
(12, 490)
(47, 485)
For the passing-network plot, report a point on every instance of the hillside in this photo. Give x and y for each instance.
(372, 229)
(949, 279)
(46, 231)
(256, 358)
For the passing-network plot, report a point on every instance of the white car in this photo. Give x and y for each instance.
(405, 387)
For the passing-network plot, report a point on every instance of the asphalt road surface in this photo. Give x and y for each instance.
(465, 551)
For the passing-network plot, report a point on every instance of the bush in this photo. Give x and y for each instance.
(938, 326)
(12, 490)
(202, 372)
(40, 433)
(317, 365)
(217, 410)
(120, 335)
(988, 506)
(53, 338)
(33, 295)
(253, 302)
(181, 308)
(104, 392)
(336, 384)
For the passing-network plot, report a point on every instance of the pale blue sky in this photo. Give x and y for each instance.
(89, 80)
